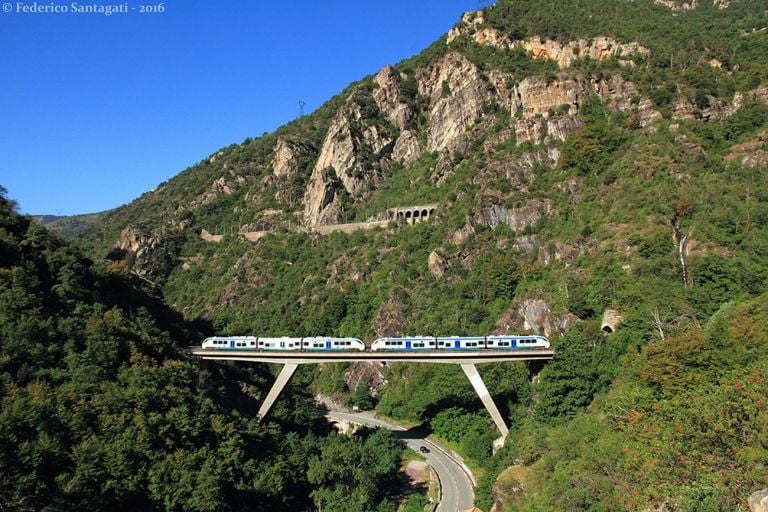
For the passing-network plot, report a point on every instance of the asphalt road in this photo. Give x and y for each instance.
(458, 492)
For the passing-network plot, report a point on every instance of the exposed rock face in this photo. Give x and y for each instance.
(519, 171)
(387, 96)
(621, 95)
(752, 153)
(526, 243)
(339, 165)
(128, 240)
(287, 157)
(366, 373)
(683, 109)
(530, 130)
(536, 316)
(677, 5)
(436, 264)
(389, 318)
(461, 234)
(758, 501)
(559, 251)
(456, 91)
(598, 48)
(516, 218)
(408, 147)
(539, 129)
(535, 96)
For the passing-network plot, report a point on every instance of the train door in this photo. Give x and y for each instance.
(231, 343)
(512, 343)
(457, 344)
(327, 344)
(407, 344)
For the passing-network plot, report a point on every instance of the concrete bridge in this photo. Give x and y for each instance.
(466, 359)
(412, 214)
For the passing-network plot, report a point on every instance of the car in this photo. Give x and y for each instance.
(423, 449)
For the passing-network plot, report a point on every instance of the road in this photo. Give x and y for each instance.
(458, 492)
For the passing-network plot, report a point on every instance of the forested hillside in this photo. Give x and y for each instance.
(100, 410)
(583, 157)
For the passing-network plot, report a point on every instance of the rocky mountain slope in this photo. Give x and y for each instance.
(594, 167)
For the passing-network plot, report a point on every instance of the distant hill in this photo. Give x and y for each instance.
(69, 226)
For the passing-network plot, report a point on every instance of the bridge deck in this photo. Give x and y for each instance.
(304, 357)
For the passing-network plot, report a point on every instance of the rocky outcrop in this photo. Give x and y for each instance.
(539, 129)
(456, 91)
(536, 96)
(758, 501)
(677, 5)
(221, 186)
(436, 264)
(408, 148)
(527, 215)
(287, 158)
(557, 251)
(598, 48)
(519, 171)
(389, 318)
(526, 244)
(340, 165)
(620, 95)
(461, 234)
(683, 109)
(720, 109)
(752, 153)
(536, 316)
(128, 241)
(386, 94)
(530, 130)
(365, 373)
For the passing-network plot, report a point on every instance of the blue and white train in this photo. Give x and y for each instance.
(504, 342)
(260, 343)
(412, 343)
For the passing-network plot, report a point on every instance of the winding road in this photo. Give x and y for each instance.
(457, 489)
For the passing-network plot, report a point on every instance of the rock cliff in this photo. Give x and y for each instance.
(456, 93)
(472, 25)
(347, 162)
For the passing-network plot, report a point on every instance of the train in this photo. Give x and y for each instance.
(284, 343)
(503, 342)
(409, 343)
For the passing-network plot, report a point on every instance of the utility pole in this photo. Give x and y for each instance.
(301, 108)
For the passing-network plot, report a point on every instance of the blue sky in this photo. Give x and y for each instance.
(95, 110)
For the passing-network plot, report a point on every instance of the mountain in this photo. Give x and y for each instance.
(69, 226)
(593, 170)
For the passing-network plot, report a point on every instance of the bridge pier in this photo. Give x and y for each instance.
(477, 382)
(282, 379)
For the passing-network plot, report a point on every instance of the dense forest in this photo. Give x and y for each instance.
(628, 175)
(101, 410)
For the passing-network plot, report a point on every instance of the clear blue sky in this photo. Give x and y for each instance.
(95, 110)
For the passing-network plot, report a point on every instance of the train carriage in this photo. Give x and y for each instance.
(230, 343)
(406, 343)
(460, 342)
